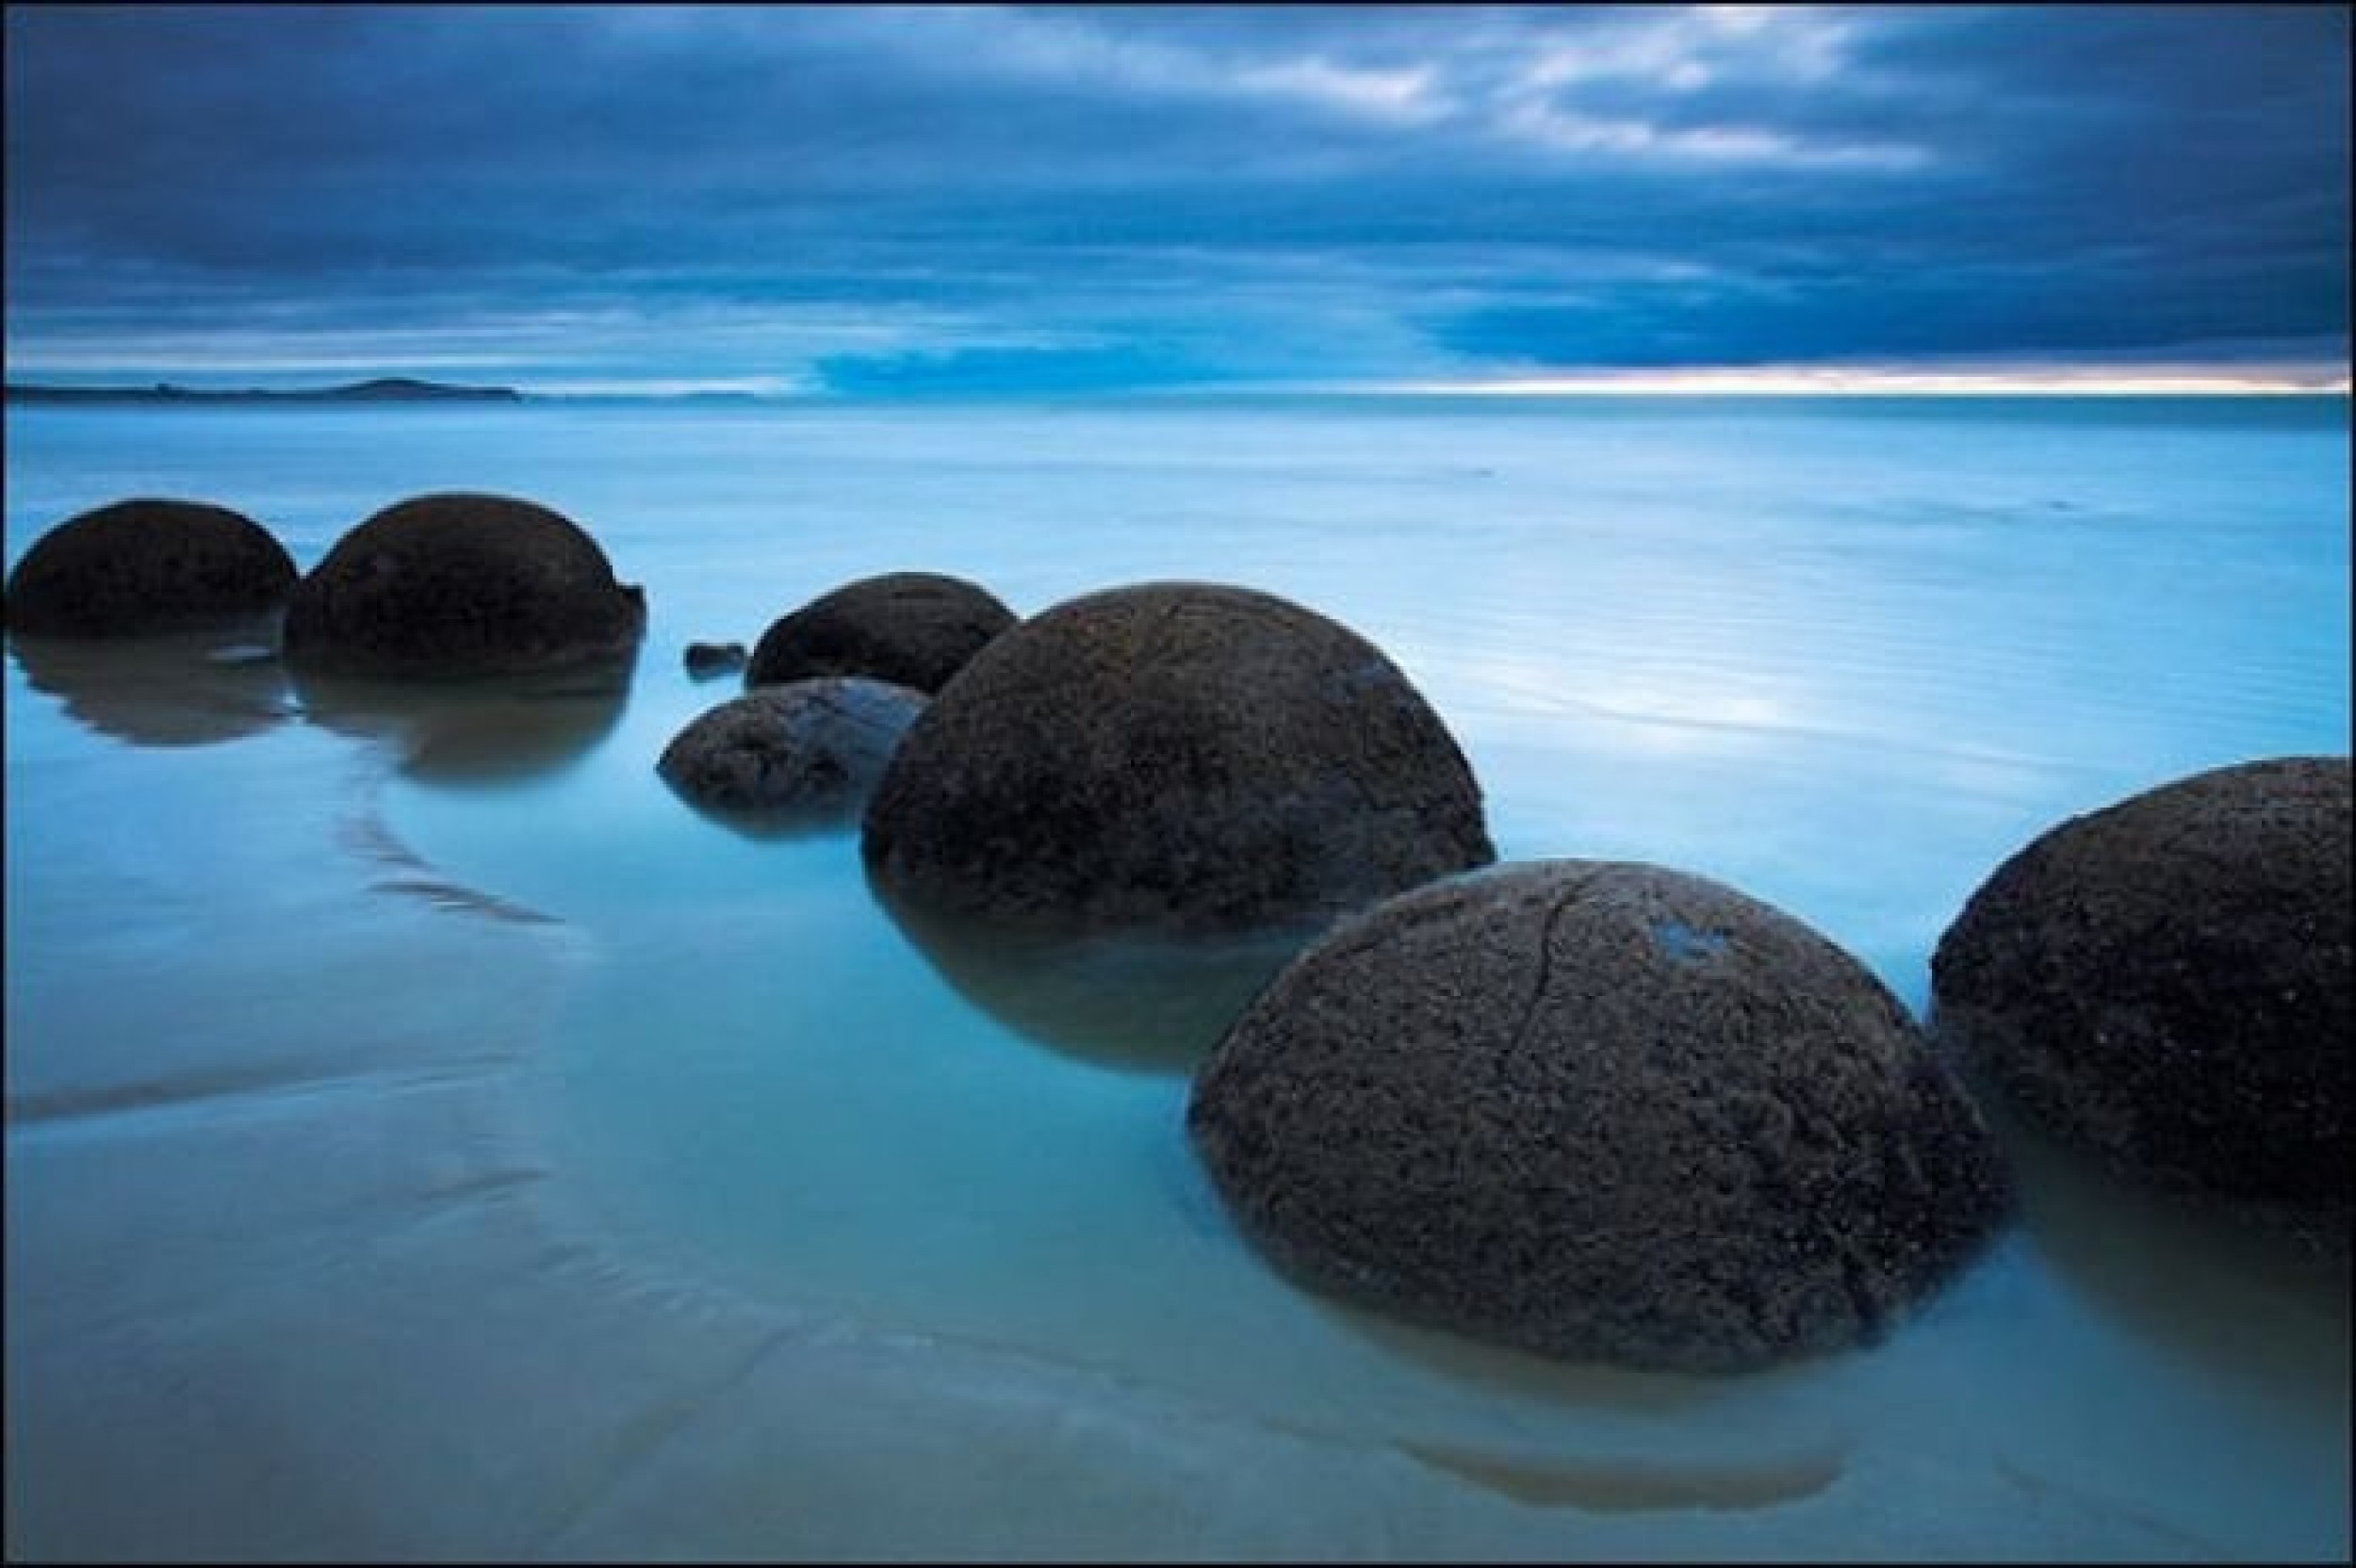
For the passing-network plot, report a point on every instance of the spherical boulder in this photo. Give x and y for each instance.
(147, 565)
(460, 584)
(1175, 756)
(1603, 1111)
(913, 628)
(2166, 982)
(812, 747)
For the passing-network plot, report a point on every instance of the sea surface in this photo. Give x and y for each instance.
(426, 1136)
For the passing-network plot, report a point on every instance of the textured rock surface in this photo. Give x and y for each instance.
(913, 628)
(144, 566)
(1175, 755)
(2166, 982)
(462, 585)
(1603, 1111)
(810, 746)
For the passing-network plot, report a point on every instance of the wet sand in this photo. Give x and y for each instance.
(427, 1137)
(307, 1259)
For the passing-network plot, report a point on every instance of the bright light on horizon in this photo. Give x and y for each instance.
(1789, 381)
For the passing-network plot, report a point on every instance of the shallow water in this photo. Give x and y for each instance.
(426, 1134)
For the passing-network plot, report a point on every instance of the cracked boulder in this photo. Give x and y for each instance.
(2166, 982)
(1602, 1111)
(462, 585)
(146, 565)
(1178, 757)
(913, 628)
(812, 748)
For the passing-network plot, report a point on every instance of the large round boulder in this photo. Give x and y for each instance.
(462, 585)
(1174, 756)
(2166, 982)
(147, 565)
(1603, 1111)
(809, 747)
(913, 628)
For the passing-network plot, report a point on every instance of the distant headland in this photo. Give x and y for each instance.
(386, 390)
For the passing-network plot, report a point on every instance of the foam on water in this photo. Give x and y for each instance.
(427, 1135)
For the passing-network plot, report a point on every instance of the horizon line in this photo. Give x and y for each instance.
(1700, 381)
(1798, 382)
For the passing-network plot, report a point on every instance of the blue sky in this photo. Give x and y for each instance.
(878, 200)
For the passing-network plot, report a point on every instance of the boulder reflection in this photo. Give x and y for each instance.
(1134, 1002)
(2212, 1284)
(178, 689)
(780, 823)
(486, 731)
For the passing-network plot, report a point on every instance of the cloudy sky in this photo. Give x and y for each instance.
(885, 200)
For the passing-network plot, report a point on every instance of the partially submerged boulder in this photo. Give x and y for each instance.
(911, 629)
(1603, 1111)
(147, 565)
(1179, 755)
(460, 584)
(809, 747)
(2166, 982)
(708, 660)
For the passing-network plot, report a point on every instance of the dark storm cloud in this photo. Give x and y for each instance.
(611, 194)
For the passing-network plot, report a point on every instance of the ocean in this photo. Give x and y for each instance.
(428, 1137)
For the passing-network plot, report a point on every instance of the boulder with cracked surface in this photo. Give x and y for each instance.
(809, 747)
(1607, 1112)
